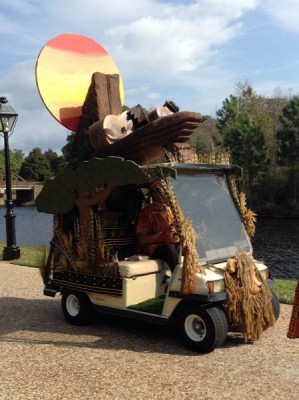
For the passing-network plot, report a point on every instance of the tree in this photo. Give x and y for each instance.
(288, 135)
(288, 142)
(16, 160)
(243, 139)
(228, 115)
(36, 166)
(275, 105)
(205, 138)
(77, 148)
(262, 111)
(55, 161)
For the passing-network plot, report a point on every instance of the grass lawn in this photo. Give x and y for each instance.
(285, 290)
(31, 257)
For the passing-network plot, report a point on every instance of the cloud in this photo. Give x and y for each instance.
(285, 14)
(178, 39)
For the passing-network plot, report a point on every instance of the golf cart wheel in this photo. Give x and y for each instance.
(275, 304)
(202, 329)
(77, 308)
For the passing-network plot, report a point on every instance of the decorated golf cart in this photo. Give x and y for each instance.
(93, 259)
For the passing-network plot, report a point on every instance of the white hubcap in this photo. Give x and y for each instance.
(195, 328)
(72, 305)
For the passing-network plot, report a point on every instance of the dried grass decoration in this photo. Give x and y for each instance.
(249, 303)
(187, 237)
(248, 216)
(190, 263)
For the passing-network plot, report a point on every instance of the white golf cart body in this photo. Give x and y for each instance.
(205, 198)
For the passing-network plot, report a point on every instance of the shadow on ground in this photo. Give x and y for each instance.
(42, 322)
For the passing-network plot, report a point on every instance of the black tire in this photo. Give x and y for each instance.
(275, 304)
(202, 329)
(77, 308)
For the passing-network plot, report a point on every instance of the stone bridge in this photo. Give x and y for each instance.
(22, 191)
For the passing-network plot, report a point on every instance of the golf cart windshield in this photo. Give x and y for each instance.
(206, 200)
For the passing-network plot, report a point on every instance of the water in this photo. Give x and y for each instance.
(32, 228)
(276, 240)
(277, 243)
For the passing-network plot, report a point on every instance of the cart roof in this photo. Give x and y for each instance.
(58, 194)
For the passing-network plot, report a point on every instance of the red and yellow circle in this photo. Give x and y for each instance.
(63, 75)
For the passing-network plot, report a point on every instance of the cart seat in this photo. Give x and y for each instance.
(130, 269)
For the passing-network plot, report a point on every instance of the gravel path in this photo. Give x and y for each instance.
(42, 357)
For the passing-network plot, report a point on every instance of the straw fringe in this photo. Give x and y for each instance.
(252, 313)
(187, 238)
(248, 216)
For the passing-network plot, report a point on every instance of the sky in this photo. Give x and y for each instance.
(191, 52)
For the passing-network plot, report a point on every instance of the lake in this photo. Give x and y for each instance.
(277, 243)
(276, 240)
(32, 228)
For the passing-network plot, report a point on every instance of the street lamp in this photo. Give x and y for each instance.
(8, 118)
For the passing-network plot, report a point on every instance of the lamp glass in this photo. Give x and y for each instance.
(8, 118)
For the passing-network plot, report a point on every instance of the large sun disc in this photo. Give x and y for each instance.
(63, 74)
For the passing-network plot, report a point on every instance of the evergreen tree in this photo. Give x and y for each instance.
(227, 116)
(243, 139)
(36, 166)
(288, 135)
(77, 148)
(288, 145)
(55, 161)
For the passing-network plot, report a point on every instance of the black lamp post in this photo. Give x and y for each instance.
(8, 118)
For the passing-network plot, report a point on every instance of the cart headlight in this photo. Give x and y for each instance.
(216, 286)
(265, 274)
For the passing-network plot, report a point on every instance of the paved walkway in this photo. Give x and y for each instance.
(42, 357)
